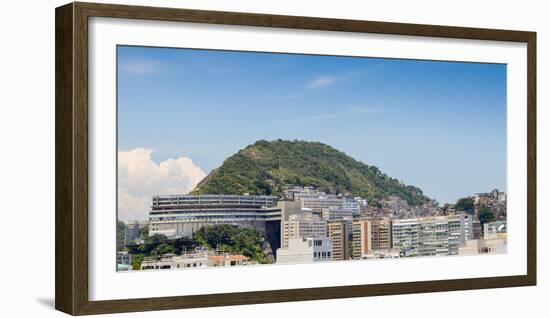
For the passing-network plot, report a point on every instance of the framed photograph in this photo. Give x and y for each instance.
(210, 158)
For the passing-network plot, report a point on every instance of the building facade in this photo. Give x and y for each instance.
(360, 238)
(339, 214)
(433, 236)
(405, 236)
(198, 258)
(303, 225)
(305, 250)
(338, 233)
(318, 203)
(182, 215)
(371, 234)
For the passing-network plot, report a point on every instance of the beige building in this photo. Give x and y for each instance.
(337, 231)
(303, 225)
(495, 245)
(360, 238)
(371, 234)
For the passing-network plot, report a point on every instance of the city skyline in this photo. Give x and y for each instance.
(440, 126)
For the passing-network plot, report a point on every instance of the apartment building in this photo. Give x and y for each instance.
(338, 233)
(303, 225)
(371, 234)
(433, 236)
(405, 236)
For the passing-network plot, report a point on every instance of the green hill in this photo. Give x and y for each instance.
(265, 167)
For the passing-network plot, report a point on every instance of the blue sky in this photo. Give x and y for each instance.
(440, 126)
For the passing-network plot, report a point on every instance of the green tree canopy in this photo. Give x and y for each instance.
(233, 239)
(485, 215)
(152, 242)
(465, 204)
(163, 249)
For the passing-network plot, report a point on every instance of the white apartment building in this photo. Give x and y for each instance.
(434, 238)
(305, 250)
(405, 236)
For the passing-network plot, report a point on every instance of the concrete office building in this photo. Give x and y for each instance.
(289, 208)
(338, 233)
(305, 250)
(182, 215)
(405, 236)
(303, 225)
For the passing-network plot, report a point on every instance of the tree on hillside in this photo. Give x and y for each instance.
(163, 249)
(233, 239)
(485, 215)
(152, 242)
(465, 204)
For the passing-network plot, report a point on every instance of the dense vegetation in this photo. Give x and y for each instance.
(234, 240)
(485, 215)
(465, 204)
(226, 238)
(266, 167)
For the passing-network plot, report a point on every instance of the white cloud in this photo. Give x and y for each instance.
(140, 66)
(139, 178)
(321, 81)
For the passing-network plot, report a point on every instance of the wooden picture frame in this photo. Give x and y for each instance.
(71, 90)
